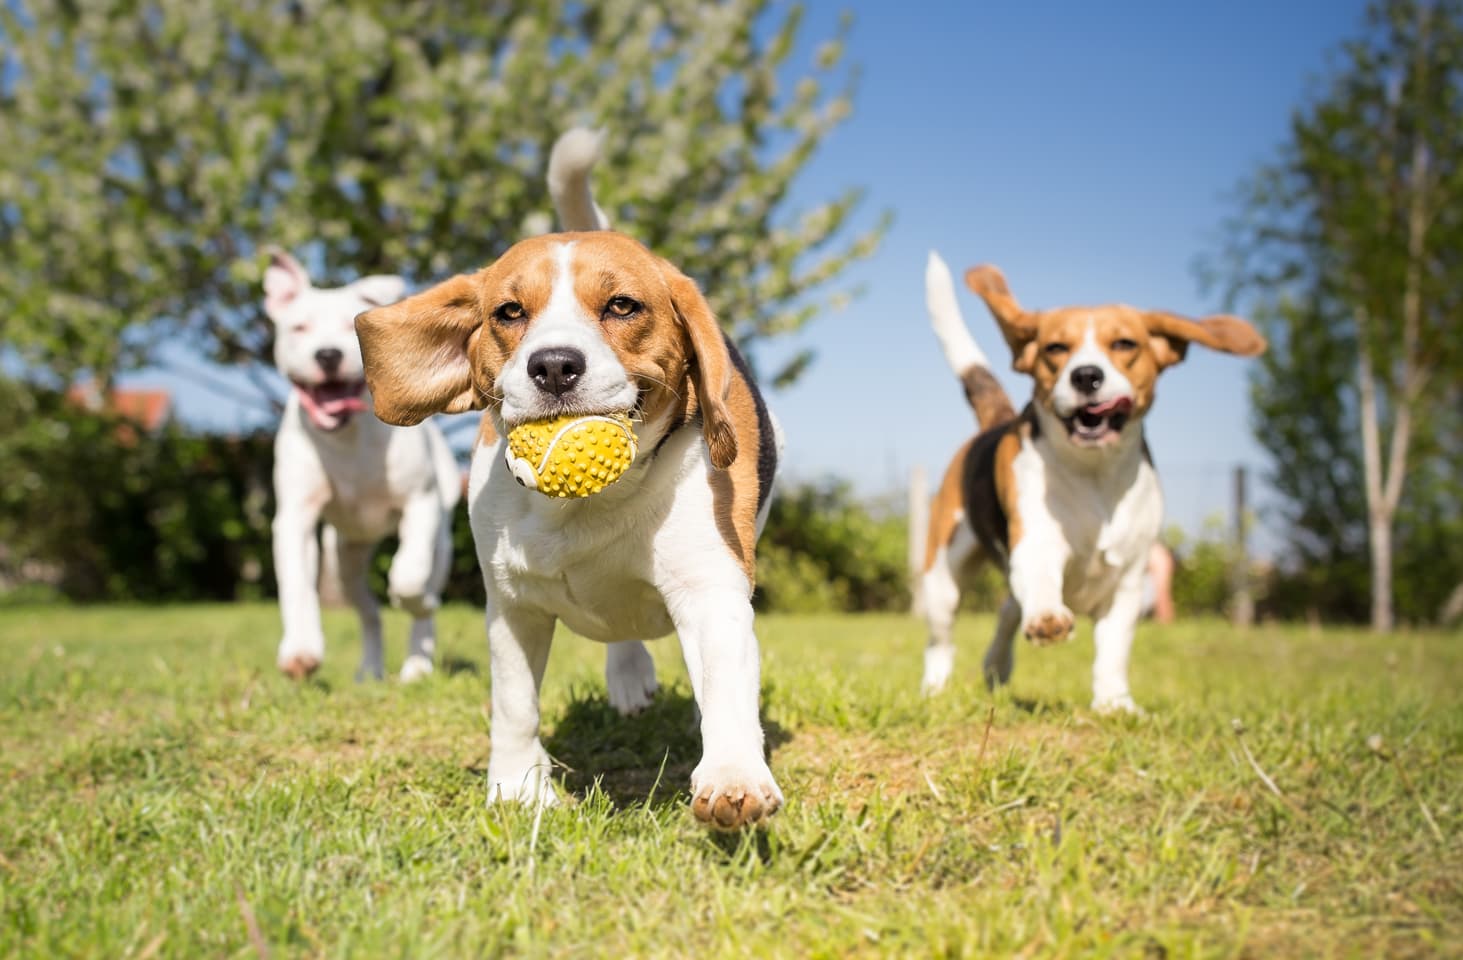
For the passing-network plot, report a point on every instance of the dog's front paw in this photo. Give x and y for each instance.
(522, 779)
(298, 666)
(415, 667)
(298, 659)
(728, 796)
(1119, 704)
(939, 664)
(1048, 626)
(630, 677)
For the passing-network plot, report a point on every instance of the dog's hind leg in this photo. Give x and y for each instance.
(418, 572)
(1000, 656)
(940, 592)
(1113, 637)
(629, 676)
(353, 561)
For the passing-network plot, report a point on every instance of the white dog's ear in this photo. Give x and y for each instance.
(418, 352)
(380, 289)
(1017, 326)
(1170, 336)
(284, 280)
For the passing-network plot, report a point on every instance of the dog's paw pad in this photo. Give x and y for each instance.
(298, 666)
(1052, 626)
(735, 802)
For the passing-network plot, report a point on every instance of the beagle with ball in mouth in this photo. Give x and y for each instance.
(591, 324)
(1063, 496)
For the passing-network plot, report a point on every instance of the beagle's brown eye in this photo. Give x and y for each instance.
(622, 307)
(1124, 344)
(1055, 350)
(510, 312)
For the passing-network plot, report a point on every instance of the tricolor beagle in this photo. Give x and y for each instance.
(584, 323)
(1063, 496)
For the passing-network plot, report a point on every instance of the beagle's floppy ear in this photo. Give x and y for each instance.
(1170, 336)
(1017, 326)
(711, 367)
(418, 353)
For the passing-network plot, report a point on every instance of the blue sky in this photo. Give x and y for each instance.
(1091, 150)
(1088, 149)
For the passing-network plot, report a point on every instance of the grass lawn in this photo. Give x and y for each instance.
(165, 793)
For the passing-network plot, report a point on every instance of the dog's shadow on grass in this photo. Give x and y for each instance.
(451, 666)
(639, 760)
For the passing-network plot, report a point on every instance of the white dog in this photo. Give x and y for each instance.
(589, 323)
(1063, 496)
(334, 461)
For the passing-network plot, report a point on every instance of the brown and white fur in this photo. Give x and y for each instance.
(1062, 496)
(584, 323)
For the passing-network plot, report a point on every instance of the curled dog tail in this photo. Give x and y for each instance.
(570, 162)
(987, 398)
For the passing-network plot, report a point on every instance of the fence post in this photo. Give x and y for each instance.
(1242, 604)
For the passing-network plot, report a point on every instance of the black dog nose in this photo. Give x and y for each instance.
(1087, 378)
(555, 370)
(329, 360)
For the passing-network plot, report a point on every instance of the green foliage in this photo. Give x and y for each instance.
(152, 147)
(110, 511)
(825, 550)
(162, 783)
(107, 511)
(1348, 251)
(1203, 570)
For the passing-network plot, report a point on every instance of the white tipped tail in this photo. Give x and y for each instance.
(570, 162)
(960, 349)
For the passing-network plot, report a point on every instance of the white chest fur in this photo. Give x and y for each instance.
(600, 564)
(1097, 520)
(362, 475)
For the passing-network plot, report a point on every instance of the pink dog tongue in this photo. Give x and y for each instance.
(343, 405)
(327, 411)
(1115, 405)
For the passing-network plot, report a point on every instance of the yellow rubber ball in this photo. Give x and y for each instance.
(571, 456)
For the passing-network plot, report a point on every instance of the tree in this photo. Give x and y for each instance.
(1350, 250)
(153, 146)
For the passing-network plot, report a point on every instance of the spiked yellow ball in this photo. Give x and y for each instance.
(571, 456)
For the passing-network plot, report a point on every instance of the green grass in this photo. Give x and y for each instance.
(162, 785)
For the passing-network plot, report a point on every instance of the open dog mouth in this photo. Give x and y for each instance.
(332, 403)
(1099, 423)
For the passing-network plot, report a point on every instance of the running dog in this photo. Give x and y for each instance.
(335, 462)
(1062, 496)
(583, 323)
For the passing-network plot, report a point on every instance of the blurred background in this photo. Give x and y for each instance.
(1296, 163)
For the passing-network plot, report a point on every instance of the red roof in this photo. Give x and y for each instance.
(150, 409)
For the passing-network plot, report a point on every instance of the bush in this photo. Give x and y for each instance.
(100, 509)
(823, 549)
